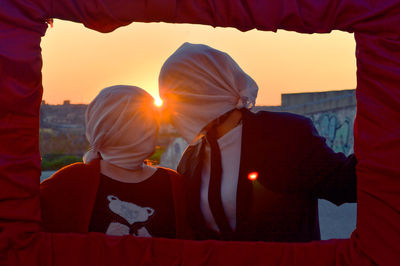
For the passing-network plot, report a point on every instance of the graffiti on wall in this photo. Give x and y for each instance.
(337, 132)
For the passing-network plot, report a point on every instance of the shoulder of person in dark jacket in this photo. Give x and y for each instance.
(302, 162)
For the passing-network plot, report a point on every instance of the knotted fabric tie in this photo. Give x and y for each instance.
(214, 189)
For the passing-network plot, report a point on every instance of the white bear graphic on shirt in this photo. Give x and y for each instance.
(132, 213)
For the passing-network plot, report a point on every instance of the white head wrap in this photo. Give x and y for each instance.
(199, 84)
(121, 126)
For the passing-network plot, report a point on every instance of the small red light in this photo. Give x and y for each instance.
(252, 176)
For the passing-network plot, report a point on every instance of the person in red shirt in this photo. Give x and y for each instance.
(114, 191)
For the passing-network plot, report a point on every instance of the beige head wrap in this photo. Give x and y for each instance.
(199, 84)
(121, 126)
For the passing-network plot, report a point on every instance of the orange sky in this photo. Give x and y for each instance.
(79, 62)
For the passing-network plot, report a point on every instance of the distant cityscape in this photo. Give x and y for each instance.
(62, 129)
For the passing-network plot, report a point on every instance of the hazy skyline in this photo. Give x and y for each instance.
(79, 62)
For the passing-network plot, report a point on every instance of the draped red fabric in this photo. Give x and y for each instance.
(377, 131)
(307, 16)
(98, 249)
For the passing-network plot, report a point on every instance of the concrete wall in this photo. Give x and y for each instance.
(332, 112)
(317, 102)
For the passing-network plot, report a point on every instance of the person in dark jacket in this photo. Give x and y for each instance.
(247, 176)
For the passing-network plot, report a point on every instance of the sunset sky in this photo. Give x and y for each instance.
(79, 62)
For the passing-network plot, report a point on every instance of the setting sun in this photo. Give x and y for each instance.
(158, 102)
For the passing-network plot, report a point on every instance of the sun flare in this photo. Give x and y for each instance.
(158, 102)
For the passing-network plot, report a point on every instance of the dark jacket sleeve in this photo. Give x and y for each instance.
(329, 175)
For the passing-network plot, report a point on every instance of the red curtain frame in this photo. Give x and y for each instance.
(376, 130)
